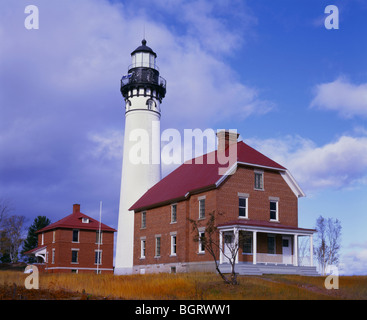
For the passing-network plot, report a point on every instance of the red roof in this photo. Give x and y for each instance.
(193, 176)
(75, 221)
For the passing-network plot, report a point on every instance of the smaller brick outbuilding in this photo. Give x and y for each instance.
(75, 244)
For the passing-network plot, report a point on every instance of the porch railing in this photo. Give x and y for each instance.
(281, 259)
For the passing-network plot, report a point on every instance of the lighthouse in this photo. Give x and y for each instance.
(143, 90)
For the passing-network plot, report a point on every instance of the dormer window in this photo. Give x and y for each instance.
(85, 220)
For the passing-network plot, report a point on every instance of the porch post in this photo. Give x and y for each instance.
(311, 250)
(220, 246)
(254, 246)
(295, 250)
(236, 242)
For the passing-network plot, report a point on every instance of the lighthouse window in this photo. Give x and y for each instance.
(145, 59)
(139, 59)
(151, 104)
(151, 61)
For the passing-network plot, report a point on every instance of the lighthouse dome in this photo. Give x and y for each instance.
(144, 48)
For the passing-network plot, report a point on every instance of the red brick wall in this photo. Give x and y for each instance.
(86, 245)
(224, 200)
(258, 202)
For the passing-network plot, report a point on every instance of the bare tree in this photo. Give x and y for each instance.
(14, 235)
(209, 240)
(327, 242)
(5, 209)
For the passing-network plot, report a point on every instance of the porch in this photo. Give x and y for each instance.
(259, 247)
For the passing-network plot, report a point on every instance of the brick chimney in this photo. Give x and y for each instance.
(226, 138)
(76, 208)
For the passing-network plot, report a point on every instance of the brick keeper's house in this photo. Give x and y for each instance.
(73, 245)
(256, 196)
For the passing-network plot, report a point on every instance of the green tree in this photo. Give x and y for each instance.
(31, 241)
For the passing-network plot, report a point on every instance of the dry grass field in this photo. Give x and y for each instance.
(191, 286)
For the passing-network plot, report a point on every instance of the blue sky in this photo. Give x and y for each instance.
(270, 69)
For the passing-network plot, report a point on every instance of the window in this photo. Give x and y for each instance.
(259, 180)
(53, 236)
(274, 210)
(85, 220)
(98, 237)
(53, 256)
(74, 256)
(75, 235)
(173, 244)
(142, 248)
(201, 208)
(42, 239)
(202, 241)
(173, 213)
(143, 220)
(246, 242)
(157, 246)
(271, 244)
(242, 207)
(98, 257)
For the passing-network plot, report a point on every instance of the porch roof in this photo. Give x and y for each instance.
(36, 250)
(265, 226)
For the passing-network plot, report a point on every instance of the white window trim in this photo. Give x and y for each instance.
(173, 235)
(160, 248)
(100, 256)
(75, 249)
(143, 247)
(200, 251)
(276, 200)
(243, 196)
(72, 239)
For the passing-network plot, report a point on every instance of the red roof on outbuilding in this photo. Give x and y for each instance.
(75, 221)
(197, 174)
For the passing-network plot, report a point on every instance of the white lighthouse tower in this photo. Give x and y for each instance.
(143, 90)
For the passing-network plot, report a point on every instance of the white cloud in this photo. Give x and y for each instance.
(338, 164)
(107, 145)
(346, 98)
(354, 260)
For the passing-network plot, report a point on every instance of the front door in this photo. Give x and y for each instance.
(287, 249)
(228, 240)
